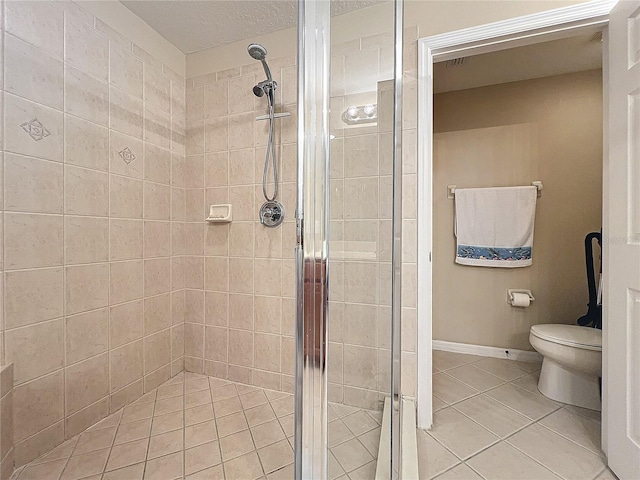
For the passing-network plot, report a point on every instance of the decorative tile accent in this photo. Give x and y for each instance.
(35, 129)
(127, 155)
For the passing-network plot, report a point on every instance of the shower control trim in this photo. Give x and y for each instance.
(271, 214)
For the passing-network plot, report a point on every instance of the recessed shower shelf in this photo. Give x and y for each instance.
(277, 115)
(220, 213)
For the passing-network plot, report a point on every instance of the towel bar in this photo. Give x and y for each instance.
(451, 189)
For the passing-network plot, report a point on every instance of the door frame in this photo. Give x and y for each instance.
(516, 32)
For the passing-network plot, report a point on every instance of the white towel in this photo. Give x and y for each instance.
(494, 226)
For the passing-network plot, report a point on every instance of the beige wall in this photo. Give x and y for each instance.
(93, 237)
(548, 129)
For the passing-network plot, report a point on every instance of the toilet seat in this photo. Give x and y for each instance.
(586, 338)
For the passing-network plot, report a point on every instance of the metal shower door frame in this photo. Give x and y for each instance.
(312, 243)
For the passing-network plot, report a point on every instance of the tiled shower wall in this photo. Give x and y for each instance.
(239, 310)
(93, 220)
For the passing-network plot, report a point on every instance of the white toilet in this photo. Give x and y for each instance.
(572, 363)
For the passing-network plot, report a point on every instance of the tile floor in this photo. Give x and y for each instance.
(198, 427)
(491, 423)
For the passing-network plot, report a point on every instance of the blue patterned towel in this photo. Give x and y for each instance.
(494, 226)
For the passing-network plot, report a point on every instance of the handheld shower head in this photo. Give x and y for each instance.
(258, 52)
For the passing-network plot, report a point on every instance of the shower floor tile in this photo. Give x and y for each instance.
(492, 423)
(199, 427)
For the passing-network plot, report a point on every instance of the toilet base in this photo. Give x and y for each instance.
(568, 386)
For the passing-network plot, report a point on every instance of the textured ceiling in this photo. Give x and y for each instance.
(196, 25)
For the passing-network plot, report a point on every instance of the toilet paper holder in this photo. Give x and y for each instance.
(512, 291)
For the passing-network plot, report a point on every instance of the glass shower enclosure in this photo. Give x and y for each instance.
(348, 242)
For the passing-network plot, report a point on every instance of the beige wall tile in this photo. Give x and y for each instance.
(241, 347)
(157, 164)
(41, 136)
(125, 323)
(125, 155)
(86, 96)
(126, 113)
(126, 239)
(240, 275)
(157, 313)
(32, 240)
(157, 88)
(125, 197)
(86, 287)
(86, 240)
(216, 343)
(157, 201)
(195, 205)
(78, 422)
(268, 314)
(361, 282)
(125, 281)
(157, 350)
(32, 74)
(241, 130)
(217, 274)
(86, 382)
(86, 335)
(154, 379)
(177, 341)
(194, 306)
(194, 272)
(40, 24)
(157, 239)
(32, 185)
(216, 308)
(195, 103)
(194, 171)
(194, 238)
(157, 127)
(243, 200)
(360, 366)
(37, 404)
(216, 241)
(86, 49)
(127, 394)
(216, 169)
(157, 276)
(241, 239)
(267, 276)
(194, 340)
(242, 167)
(215, 136)
(267, 351)
(125, 71)
(241, 310)
(40, 443)
(32, 296)
(86, 192)
(125, 364)
(86, 144)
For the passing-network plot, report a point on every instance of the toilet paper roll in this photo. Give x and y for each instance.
(521, 300)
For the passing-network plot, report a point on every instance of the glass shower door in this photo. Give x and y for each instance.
(348, 242)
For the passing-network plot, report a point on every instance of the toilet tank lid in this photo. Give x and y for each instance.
(569, 334)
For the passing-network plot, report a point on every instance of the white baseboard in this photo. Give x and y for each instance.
(483, 351)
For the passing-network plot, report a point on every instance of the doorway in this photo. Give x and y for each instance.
(498, 37)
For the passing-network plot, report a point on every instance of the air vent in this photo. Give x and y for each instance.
(456, 62)
(596, 37)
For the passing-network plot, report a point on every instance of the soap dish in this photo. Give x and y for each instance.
(219, 213)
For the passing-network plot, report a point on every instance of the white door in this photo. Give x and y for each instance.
(621, 409)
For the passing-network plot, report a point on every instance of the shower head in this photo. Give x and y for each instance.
(258, 52)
